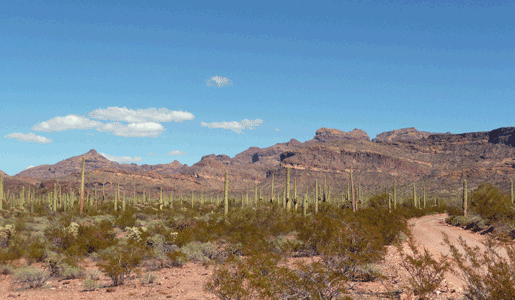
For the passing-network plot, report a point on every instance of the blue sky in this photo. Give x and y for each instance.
(154, 81)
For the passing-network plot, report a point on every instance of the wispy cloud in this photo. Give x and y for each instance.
(235, 126)
(124, 114)
(29, 138)
(218, 81)
(175, 152)
(149, 129)
(123, 159)
(66, 123)
(89, 134)
(277, 129)
(29, 167)
(151, 154)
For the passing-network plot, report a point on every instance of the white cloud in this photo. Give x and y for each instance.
(150, 154)
(89, 134)
(175, 152)
(218, 81)
(140, 115)
(277, 129)
(124, 159)
(149, 129)
(29, 167)
(66, 123)
(235, 126)
(30, 138)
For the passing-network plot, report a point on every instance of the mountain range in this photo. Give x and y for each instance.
(434, 161)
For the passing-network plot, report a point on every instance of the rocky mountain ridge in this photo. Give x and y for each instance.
(436, 161)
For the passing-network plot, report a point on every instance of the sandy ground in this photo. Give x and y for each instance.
(188, 282)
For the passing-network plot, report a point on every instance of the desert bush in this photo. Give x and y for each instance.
(488, 202)
(89, 284)
(118, 262)
(426, 273)
(177, 258)
(77, 240)
(126, 219)
(379, 201)
(7, 233)
(199, 252)
(264, 276)
(30, 277)
(36, 249)
(148, 278)
(70, 272)
(487, 274)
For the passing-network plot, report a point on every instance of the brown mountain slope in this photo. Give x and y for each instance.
(437, 162)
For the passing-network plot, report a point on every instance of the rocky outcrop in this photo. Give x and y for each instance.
(504, 135)
(405, 134)
(329, 135)
(4, 174)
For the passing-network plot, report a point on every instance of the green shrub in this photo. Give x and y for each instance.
(264, 276)
(199, 252)
(177, 258)
(425, 273)
(70, 272)
(487, 274)
(488, 202)
(90, 284)
(30, 277)
(118, 262)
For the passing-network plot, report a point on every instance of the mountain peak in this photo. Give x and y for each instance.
(330, 134)
(410, 133)
(93, 151)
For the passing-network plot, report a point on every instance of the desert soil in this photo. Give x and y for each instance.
(188, 282)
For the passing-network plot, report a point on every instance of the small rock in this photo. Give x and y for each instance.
(110, 290)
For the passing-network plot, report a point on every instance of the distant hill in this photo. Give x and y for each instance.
(437, 162)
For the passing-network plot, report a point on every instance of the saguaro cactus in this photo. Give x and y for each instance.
(415, 196)
(255, 196)
(316, 196)
(161, 198)
(272, 188)
(424, 197)
(394, 195)
(511, 193)
(226, 194)
(22, 196)
(81, 207)
(465, 200)
(354, 204)
(288, 202)
(116, 198)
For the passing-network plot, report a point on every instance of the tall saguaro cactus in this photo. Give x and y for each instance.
(81, 207)
(272, 188)
(415, 196)
(465, 200)
(394, 195)
(288, 202)
(226, 194)
(511, 193)
(316, 196)
(354, 204)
